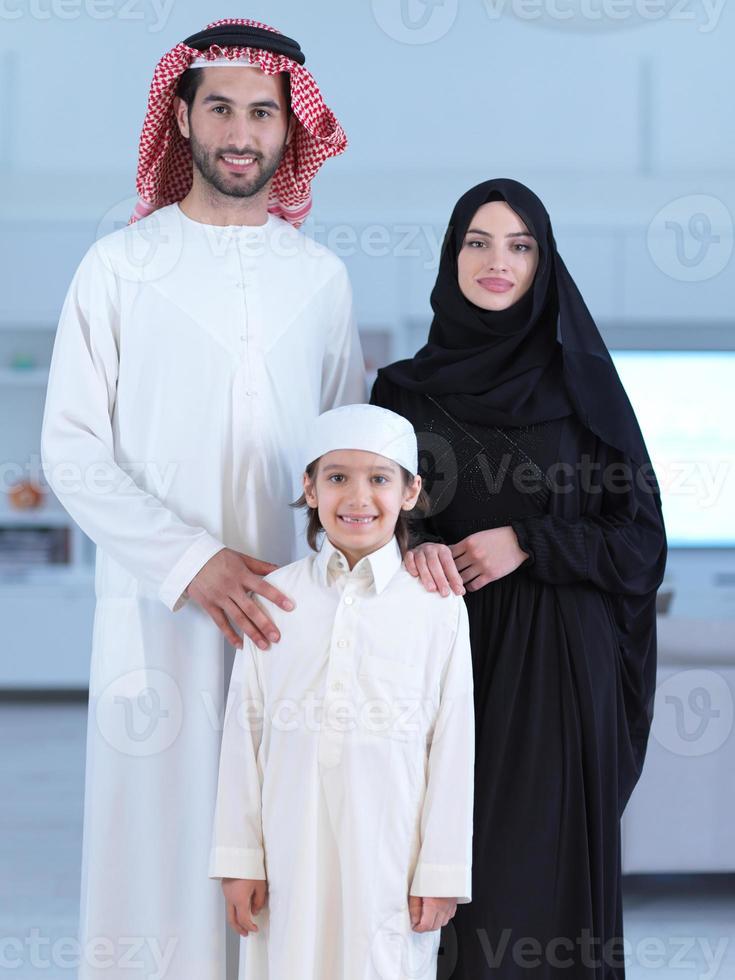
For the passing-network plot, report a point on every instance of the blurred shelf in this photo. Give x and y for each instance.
(47, 515)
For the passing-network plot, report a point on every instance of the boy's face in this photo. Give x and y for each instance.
(359, 496)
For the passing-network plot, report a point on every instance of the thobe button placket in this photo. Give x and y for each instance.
(342, 644)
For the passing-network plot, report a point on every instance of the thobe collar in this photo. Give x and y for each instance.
(377, 568)
(237, 232)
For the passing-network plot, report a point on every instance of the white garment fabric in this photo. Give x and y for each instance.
(346, 774)
(189, 362)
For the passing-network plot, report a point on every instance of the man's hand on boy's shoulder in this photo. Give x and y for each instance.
(428, 914)
(245, 898)
(226, 588)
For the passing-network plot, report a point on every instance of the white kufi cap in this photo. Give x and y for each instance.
(366, 427)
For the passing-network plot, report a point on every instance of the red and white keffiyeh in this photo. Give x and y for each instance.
(164, 158)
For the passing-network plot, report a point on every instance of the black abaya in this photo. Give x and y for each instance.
(564, 666)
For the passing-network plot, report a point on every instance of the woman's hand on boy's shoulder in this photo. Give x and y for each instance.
(245, 898)
(433, 564)
(428, 914)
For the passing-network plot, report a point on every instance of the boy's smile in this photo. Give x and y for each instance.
(359, 496)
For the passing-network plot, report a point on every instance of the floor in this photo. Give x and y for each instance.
(676, 927)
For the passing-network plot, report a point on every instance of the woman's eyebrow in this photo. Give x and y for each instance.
(487, 234)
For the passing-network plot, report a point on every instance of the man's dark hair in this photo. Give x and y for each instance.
(192, 78)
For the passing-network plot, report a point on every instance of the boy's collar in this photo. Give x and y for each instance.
(380, 566)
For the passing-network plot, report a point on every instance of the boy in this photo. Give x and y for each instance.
(344, 810)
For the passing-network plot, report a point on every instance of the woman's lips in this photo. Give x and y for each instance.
(494, 285)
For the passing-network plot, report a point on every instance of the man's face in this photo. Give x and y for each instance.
(238, 128)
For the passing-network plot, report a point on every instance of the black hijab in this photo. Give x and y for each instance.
(542, 358)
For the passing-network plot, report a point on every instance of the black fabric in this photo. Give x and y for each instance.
(564, 664)
(242, 36)
(541, 359)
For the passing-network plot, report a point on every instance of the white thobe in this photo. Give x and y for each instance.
(346, 775)
(188, 363)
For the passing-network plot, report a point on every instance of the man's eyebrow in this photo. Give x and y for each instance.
(259, 104)
(487, 234)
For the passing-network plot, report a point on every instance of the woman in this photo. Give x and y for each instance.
(546, 510)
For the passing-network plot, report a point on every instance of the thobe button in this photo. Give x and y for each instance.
(342, 644)
(338, 686)
(348, 600)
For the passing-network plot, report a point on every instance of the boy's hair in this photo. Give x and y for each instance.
(403, 524)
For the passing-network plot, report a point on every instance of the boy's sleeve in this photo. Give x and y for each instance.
(444, 867)
(237, 839)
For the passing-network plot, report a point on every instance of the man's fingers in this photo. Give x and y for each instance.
(414, 909)
(225, 626)
(409, 561)
(275, 595)
(241, 617)
(258, 566)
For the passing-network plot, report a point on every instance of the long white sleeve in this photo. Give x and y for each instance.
(237, 838)
(343, 371)
(444, 867)
(78, 452)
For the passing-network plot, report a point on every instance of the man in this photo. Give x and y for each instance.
(194, 349)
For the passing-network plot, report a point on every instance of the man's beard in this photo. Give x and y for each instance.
(231, 185)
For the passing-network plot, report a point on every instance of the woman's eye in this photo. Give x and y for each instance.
(471, 244)
(336, 477)
(384, 479)
(523, 247)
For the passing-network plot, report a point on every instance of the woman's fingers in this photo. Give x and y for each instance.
(436, 568)
(427, 579)
(409, 560)
(451, 572)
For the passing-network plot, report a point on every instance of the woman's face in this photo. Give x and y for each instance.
(498, 258)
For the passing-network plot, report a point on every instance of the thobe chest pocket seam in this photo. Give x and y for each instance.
(396, 671)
